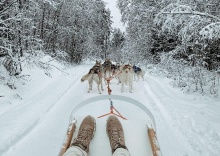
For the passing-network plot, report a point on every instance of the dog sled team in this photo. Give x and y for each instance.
(124, 72)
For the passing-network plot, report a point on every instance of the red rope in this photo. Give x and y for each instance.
(108, 81)
(112, 108)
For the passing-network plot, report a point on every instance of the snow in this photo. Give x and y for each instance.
(34, 117)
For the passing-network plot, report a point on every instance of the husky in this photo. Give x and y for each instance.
(126, 76)
(107, 68)
(117, 71)
(113, 69)
(138, 72)
(95, 74)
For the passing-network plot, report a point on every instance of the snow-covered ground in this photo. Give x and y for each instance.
(35, 116)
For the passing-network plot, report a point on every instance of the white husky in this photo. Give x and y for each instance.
(126, 77)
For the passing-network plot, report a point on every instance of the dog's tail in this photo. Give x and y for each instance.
(85, 77)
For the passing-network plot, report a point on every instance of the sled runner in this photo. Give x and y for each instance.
(139, 128)
(68, 138)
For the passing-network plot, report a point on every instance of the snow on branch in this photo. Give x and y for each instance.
(170, 23)
(9, 51)
(184, 20)
(51, 3)
(160, 18)
(211, 31)
(7, 7)
(190, 30)
(173, 24)
(193, 13)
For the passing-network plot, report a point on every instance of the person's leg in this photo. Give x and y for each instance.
(75, 151)
(121, 152)
(80, 145)
(116, 137)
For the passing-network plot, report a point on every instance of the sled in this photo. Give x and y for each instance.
(135, 120)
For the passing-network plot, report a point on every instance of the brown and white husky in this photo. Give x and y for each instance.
(95, 74)
(126, 77)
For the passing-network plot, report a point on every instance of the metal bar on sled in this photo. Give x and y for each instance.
(68, 138)
(153, 141)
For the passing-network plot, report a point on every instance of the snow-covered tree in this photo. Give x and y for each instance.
(85, 28)
(68, 30)
(195, 30)
(116, 44)
(138, 15)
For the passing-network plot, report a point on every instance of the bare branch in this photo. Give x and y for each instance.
(54, 67)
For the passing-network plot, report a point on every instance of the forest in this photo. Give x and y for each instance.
(179, 39)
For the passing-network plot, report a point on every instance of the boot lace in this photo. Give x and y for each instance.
(83, 138)
(116, 138)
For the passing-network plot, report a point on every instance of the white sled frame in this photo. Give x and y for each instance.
(151, 126)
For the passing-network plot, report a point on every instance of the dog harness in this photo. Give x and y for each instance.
(96, 69)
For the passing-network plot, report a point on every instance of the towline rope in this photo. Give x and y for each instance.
(112, 108)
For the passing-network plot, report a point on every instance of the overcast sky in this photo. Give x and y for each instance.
(115, 13)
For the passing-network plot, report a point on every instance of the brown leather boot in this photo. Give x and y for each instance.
(85, 133)
(115, 133)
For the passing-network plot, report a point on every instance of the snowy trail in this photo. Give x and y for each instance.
(38, 125)
(53, 125)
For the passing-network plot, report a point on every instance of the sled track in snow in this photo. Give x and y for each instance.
(198, 137)
(166, 116)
